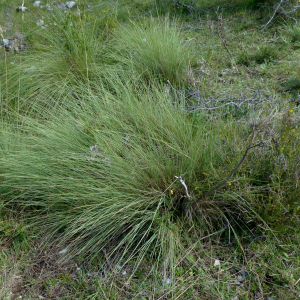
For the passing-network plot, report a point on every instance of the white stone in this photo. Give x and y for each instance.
(70, 4)
(217, 263)
(39, 22)
(63, 251)
(36, 3)
(5, 42)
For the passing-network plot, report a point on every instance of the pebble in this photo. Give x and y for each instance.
(168, 281)
(124, 272)
(36, 3)
(70, 4)
(217, 263)
(4, 42)
(39, 22)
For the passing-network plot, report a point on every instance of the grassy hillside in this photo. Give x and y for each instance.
(149, 150)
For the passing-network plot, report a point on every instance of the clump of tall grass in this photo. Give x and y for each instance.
(103, 174)
(62, 54)
(154, 49)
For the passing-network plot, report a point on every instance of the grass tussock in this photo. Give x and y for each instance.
(112, 172)
(154, 49)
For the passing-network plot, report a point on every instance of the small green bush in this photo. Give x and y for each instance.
(262, 54)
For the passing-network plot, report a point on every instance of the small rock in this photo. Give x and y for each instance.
(168, 281)
(217, 263)
(70, 4)
(16, 49)
(270, 298)
(29, 70)
(36, 3)
(124, 272)
(5, 42)
(61, 6)
(39, 22)
(22, 8)
(48, 7)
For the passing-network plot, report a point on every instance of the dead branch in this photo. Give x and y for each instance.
(221, 37)
(279, 9)
(195, 102)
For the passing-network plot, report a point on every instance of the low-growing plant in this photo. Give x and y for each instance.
(262, 54)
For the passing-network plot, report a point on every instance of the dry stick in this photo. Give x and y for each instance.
(275, 11)
(219, 32)
(224, 182)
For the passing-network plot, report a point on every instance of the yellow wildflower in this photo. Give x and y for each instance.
(291, 110)
(196, 188)
(293, 130)
(172, 192)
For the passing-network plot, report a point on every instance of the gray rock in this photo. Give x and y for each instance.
(70, 4)
(36, 3)
(39, 22)
(5, 42)
(48, 7)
